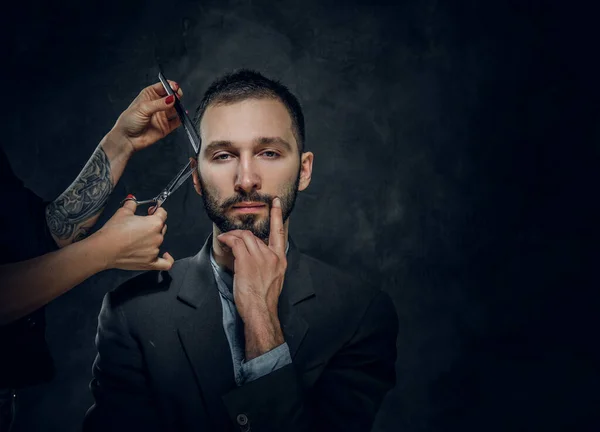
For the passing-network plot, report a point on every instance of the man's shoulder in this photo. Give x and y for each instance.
(346, 300)
(334, 283)
(148, 289)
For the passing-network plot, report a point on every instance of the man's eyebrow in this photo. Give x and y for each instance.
(273, 140)
(218, 145)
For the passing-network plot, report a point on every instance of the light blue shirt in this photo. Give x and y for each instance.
(233, 325)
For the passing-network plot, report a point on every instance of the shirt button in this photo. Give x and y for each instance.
(242, 419)
(31, 322)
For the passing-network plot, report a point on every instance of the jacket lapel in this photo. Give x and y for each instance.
(201, 332)
(202, 335)
(297, 287)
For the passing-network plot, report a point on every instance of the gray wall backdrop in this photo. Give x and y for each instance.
(451, 166)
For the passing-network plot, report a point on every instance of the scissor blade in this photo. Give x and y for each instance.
(175, 184)
(185, 119)
(182, 180)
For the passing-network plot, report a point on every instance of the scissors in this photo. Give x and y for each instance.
(187, 170)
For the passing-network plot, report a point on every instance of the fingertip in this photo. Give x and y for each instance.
(161, 213)
(168, 257)
(224, 239)
(130, 203)
(276, 202)
(163, 264)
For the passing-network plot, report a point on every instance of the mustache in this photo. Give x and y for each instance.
(255, 197)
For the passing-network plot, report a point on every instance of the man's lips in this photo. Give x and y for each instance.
(248, 207)
(250, 204)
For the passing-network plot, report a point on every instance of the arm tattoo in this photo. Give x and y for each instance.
(84, 199)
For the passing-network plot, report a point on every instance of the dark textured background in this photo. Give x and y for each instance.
(452, 164)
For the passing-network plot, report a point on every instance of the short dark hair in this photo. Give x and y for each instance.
(248, 84)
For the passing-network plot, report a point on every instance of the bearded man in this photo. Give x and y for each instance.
(250, 333)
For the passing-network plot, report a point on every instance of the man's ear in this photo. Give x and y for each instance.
(195, 176)
(306, 165)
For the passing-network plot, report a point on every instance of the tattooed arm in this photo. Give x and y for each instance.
(28, 285)
(149, 118)
(71, 216)
(126, 241)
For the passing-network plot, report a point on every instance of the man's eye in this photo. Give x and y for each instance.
(271, 154)
(221, 156)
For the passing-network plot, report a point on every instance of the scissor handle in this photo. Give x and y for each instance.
(139, 202)
(153, 200)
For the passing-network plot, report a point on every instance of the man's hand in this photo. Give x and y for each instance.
(132, 242)
(259, 272)
(150, 117)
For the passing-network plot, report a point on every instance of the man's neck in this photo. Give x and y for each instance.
(223, 254)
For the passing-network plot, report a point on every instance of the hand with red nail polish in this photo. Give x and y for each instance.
(131, 242)
(150, 117)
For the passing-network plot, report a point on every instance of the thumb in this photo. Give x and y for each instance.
(164, 263)
(130, 203)
(148, 108)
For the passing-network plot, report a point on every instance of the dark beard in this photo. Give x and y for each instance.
(251, 222)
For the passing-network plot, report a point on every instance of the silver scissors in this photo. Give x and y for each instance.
(187, 170)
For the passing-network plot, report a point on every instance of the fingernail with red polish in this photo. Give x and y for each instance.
(169, 99)
(130, 196)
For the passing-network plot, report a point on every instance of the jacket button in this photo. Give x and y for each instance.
(31, 322)
(242, 419)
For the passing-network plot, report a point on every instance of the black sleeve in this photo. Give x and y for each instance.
(122, 397)
(347, 395)
(24, 234)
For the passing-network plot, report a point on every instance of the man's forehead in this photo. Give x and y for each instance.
(246, 120)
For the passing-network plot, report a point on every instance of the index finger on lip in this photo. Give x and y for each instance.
(277, 233)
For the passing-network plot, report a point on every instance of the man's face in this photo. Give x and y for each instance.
(249, 155)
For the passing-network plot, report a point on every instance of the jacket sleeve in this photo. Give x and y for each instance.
(122, 397)
(346, 396)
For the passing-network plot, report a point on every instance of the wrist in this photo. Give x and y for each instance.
(117, 146)
(262, 333)
(101, 254)
(258, 315)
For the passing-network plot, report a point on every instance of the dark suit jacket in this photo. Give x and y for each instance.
(164, 363)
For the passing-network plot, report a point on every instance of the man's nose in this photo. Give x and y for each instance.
(247, 177)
